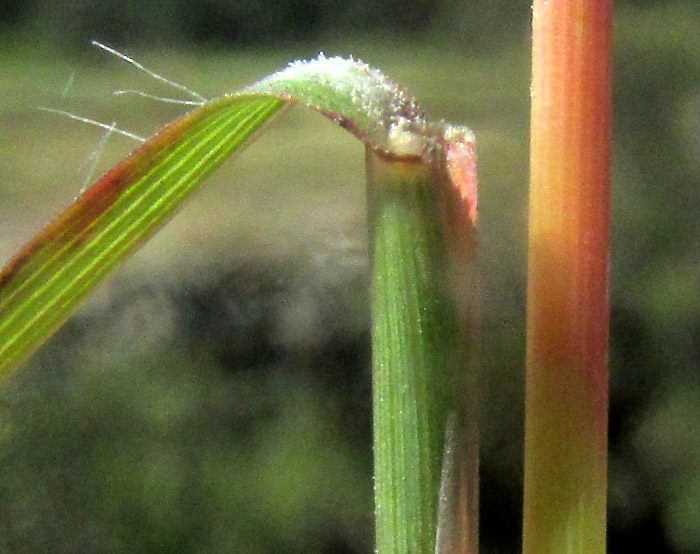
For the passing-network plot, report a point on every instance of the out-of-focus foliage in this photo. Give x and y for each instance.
(229, 411)
(219, 21)
(479, 24)
(656, 273)
(198, 421)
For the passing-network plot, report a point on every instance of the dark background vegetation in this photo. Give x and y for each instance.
(214, 395)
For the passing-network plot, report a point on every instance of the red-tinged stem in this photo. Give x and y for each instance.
(568, 306)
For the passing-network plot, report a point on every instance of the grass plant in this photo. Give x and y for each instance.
(422, 201)
(422, 180)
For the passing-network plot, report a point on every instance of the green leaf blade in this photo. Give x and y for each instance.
(43, 284)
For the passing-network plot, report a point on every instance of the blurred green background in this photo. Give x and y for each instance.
(213, 396)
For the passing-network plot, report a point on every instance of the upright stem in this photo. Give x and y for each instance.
(568, 309)
(417, 353)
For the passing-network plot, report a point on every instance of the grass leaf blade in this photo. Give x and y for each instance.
(43, 284)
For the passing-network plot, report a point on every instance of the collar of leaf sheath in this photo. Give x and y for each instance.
(357, 97)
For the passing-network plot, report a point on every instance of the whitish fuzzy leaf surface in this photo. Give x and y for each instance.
(358, 97)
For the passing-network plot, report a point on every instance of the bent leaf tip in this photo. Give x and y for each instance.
(357, 97)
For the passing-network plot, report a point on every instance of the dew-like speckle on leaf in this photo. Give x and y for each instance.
(356, 96)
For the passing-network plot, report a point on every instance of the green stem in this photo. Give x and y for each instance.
(417, 350)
